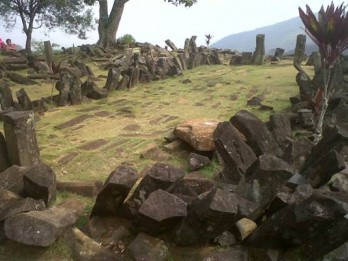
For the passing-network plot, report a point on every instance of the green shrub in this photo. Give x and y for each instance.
(126, 39)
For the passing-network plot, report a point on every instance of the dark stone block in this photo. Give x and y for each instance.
(12, 179)
(115, 190)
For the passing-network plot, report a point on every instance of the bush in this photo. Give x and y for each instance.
(126, 39)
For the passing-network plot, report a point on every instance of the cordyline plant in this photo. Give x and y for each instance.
(330, 33)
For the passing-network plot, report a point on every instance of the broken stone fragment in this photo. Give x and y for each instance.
(43, 228)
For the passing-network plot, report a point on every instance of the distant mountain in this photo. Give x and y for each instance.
(282, 35)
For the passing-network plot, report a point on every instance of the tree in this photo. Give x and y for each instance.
(330, 33)
(71, 15)
(109, 23)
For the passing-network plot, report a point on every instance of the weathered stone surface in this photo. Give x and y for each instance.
(40, 183)
(321, 171)
(236, 154)
(339, 182)
(160, 212)
(69, 87)
(265, 178)
(147, 248)
(160, 176)
(6, 98)
(197, 161)
(12, 179)
(215, 211)
(7, 198)
(4, 160)
(20, 136)
(235, 253)
(22, 205)
(198, 133)
(115, 190)
(43, 228)
(24, 100)
(92, 91)
(84, 248)
(297, 152)
(189, 188)
(334, 137)
(299, 223)
(259, 54)
(17, 78)
(112, 79)
(258, 137)
(280, 126)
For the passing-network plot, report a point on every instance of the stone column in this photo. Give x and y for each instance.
(259, 54)
(20, 137)
(299, 51)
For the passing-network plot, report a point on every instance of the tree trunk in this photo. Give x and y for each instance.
(28, 41)
(108, 24)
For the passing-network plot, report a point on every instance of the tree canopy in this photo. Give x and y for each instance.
(71, 15)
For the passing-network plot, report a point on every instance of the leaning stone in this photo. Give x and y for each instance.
(4, 160)
(112, 80)
(198, 133)
(6, 99)
(243, 228)
(160, 212)
(114, 192)
(299, 223)
(321, 171)
(20, 136)
(43, 228)
(17, 78)
(84, 248)
(160, 176)
(335, 137)
(236, 154)
(24, 100)
(280, 126)
(264, 179)
(257, 135)
(40, 183)
(146, 248)
(92, 91)
(23, 205)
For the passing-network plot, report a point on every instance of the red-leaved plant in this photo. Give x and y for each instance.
(330, 33)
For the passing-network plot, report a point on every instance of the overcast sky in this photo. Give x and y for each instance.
(155, 21)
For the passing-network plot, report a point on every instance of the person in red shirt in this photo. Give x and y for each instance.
(2, 44)
(10, 46)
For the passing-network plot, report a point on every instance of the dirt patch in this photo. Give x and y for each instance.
(102, 114)
(132, 127)
(74, 121)
(67, 158)
(95, 108)
(93, 145)
(233, 97)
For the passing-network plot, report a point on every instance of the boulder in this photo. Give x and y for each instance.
(24, 100)
(114, 192)
(236, 154)
(43, 228)
(198, 133)
(22, 205)
(160, 212)
(40, 183)
(297, 151)
(159, 176)
(264, 179)
(304, 222)
(6, 98)
(4, 160)
(280, 126)
(257, 135)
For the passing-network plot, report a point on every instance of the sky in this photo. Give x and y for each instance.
(154, 21)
